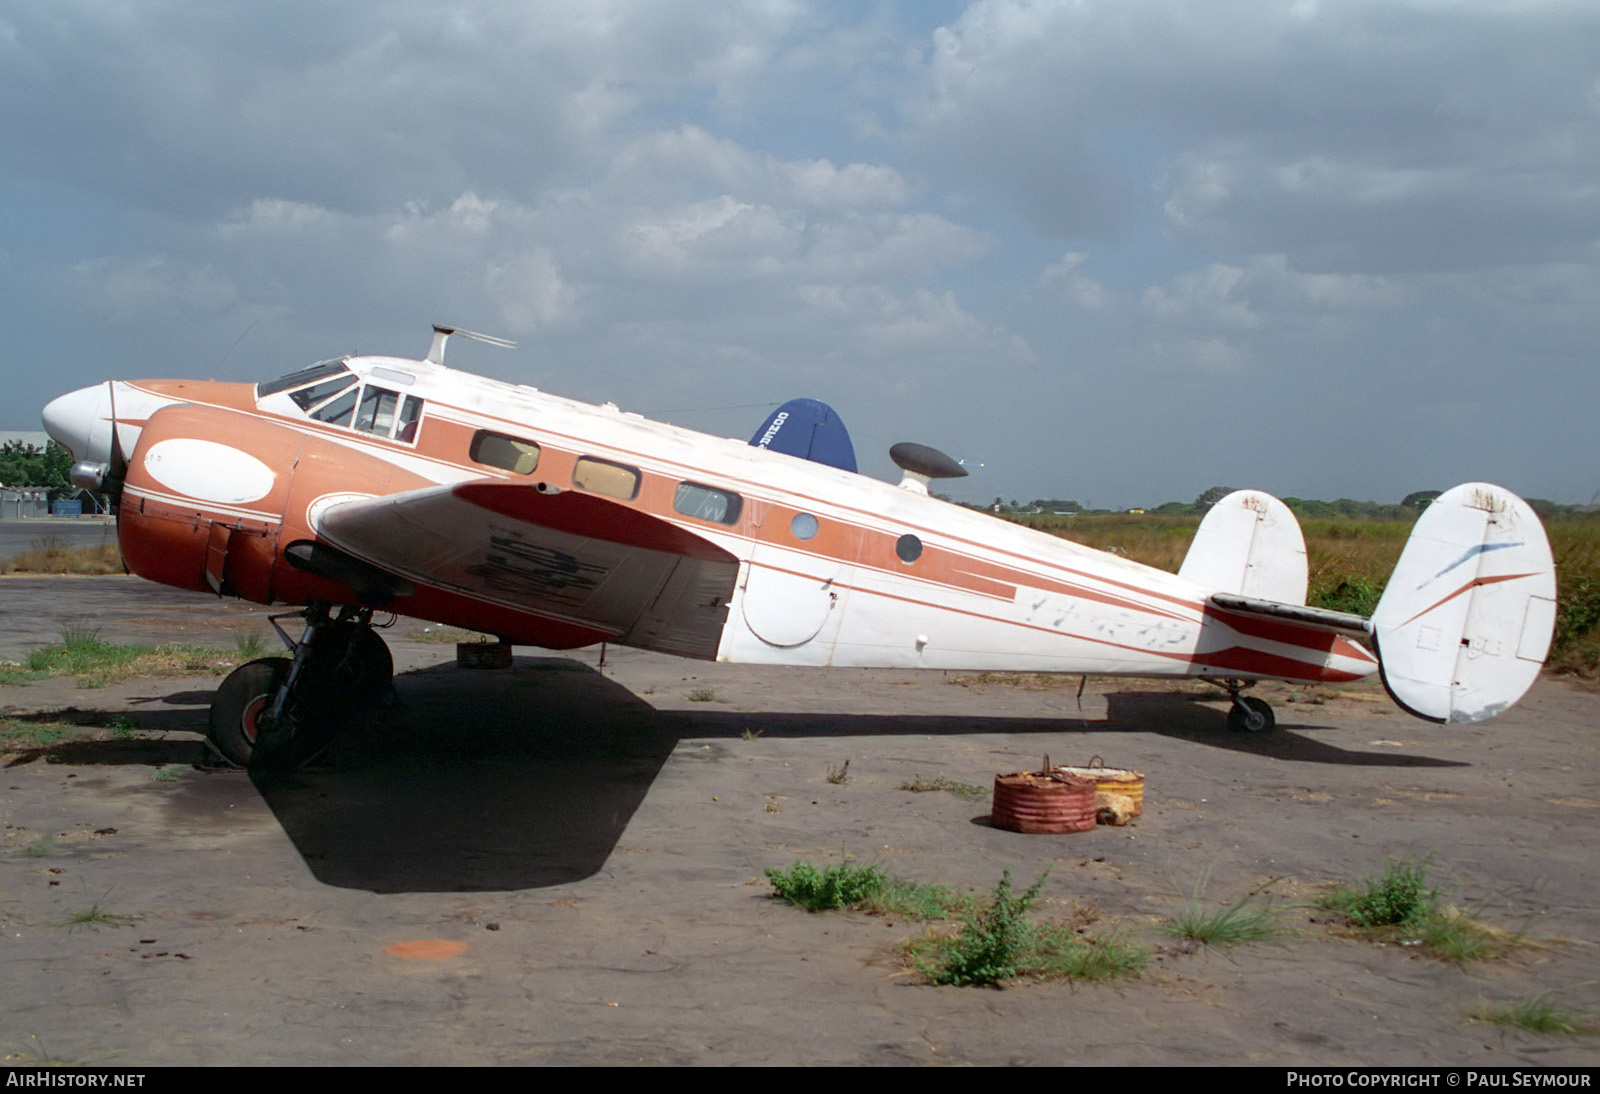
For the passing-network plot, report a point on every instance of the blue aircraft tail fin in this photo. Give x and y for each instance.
(809, 429)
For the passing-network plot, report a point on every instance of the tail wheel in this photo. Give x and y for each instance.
(1251, 715)
(239, 704)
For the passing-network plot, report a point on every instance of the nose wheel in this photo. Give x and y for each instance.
(276, 713)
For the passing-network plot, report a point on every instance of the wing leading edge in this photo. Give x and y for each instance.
(567, 556)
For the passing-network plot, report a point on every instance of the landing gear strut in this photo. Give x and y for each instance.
(1248, 713)
(276, 713)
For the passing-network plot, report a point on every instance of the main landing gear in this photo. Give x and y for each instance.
(275, 713)
(1248, 714)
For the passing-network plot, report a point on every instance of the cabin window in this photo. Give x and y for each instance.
(804, 526)
(603, 477)
(410, 415)
(507, 453)
(909, 548)
(707, 503)
(376, 414)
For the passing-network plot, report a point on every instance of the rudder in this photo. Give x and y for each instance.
(1465, 622)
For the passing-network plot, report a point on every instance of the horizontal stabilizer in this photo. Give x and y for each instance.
(1466, 619)
(1250, 544)
(809, 429)
(1322, 619)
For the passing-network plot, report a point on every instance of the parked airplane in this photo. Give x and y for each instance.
(374, 483)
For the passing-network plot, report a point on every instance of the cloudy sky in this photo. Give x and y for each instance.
(1114, 251)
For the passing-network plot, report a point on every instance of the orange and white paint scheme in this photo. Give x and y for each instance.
(383, 483)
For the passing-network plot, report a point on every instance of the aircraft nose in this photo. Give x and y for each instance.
(80, 421)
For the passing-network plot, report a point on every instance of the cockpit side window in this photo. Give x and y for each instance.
(339, 411)
(316, 394)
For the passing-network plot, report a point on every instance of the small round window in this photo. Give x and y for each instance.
(804, 526)
(908, 547)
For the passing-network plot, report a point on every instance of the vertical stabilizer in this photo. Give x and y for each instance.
(1249, 543)
(1466, 620)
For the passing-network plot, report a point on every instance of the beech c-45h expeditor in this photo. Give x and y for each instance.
(384, 484)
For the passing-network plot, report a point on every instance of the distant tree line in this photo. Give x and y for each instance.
(1408, 508)
(29, 465)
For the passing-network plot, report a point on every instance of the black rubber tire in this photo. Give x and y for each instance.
(370, 666)
(1257, 719)
(352, 669)
(241, 699)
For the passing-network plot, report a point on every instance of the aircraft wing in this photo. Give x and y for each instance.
(567, 555)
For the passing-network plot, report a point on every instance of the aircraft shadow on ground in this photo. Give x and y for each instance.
(499, 781)
(527, 779)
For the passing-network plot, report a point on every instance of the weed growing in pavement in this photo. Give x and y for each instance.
(1400, 895)
(93, 916)
(839, 775)
(865, 888)
(968, 791)
(1254, 917)
(1000, 941)
(704, 695)
(1538, 1014)
(1400, 906)
(840, 885)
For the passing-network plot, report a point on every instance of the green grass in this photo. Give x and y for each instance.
(95, 662)
(40, 847)
(94, 916)
(1254, 917)
(967, 791)
(841, 885)
(1538, 1014)
(864, 888)
(1398, 896)
(1000, 941)
(1400, 906)
(16, 735)
(704, 695)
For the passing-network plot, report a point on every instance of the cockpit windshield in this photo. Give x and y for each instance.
(319, 371)
(329, 392)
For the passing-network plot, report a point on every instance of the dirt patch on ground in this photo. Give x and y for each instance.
(562, 863)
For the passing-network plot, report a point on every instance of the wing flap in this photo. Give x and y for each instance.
(568, 555)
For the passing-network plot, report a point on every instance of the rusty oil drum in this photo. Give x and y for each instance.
(1043, 803)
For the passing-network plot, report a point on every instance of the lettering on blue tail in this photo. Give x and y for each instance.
(809, 429)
